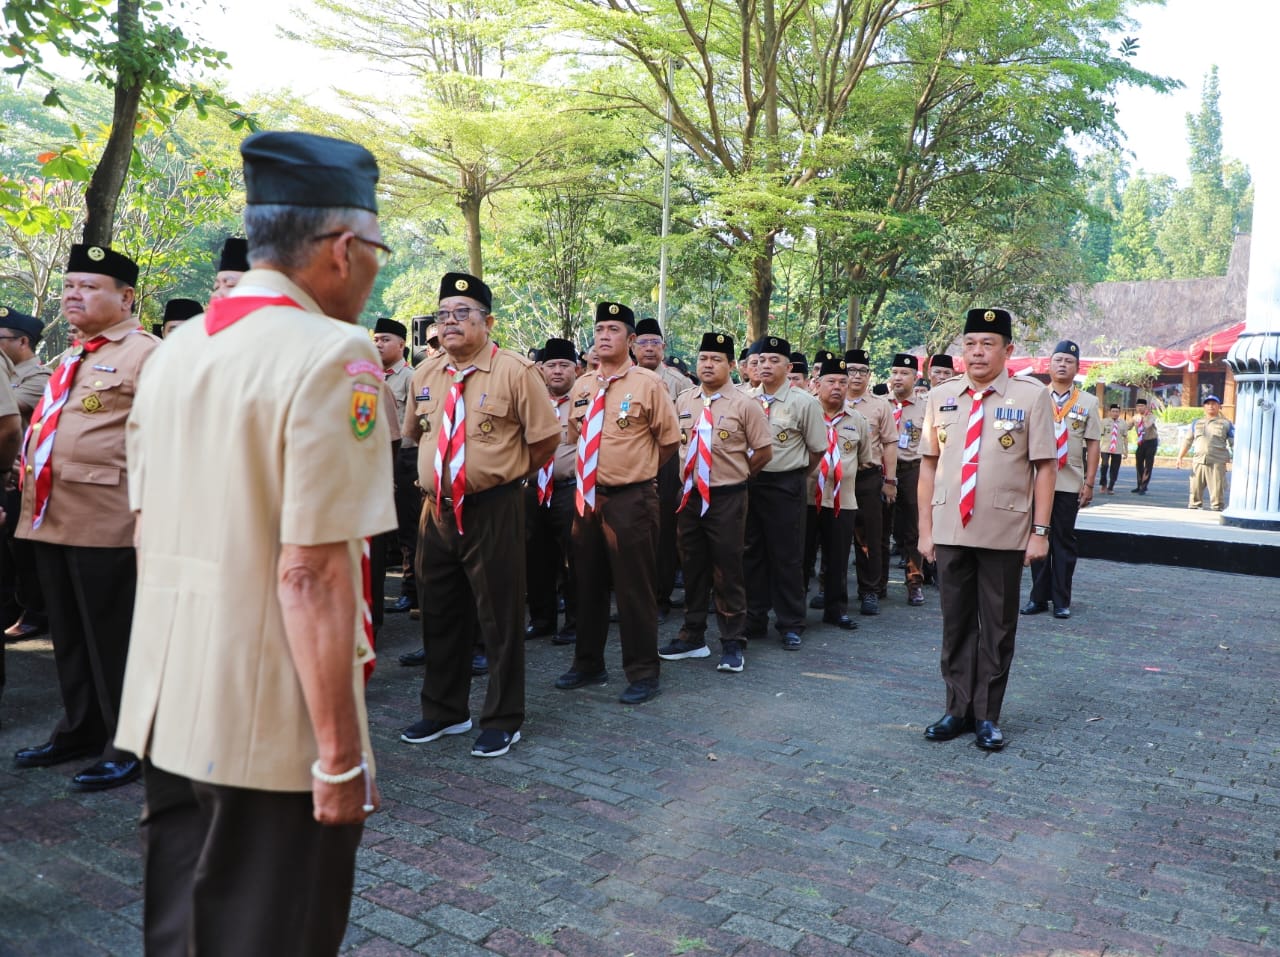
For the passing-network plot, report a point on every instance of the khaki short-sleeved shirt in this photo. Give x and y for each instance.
(908, 420)
(566, 452)
(29, 381)
(1082, 423)
(795, 417)
(879, 416)
(1115, 436)
(673, 380)
(854, 446)
(745, 387)
(89, 499)
(9, 394)
(235, 451)
(1002, 510)
(639, 418)
(506, 412)
(738, 426)
(1211, 440)
(399, 379)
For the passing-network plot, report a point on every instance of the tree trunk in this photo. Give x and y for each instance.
(761, 293)
(469, 203)
(103, 194)
(851, 327)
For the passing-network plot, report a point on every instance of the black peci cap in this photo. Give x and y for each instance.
(303, 169)
(461, 284)
(103, 261)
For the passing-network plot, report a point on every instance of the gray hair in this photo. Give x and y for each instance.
(283, 235)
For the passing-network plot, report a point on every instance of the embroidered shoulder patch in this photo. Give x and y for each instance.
(363, 365)
(364, 409)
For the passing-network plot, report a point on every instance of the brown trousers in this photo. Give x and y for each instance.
(979, 591)
(615, 545)
(472, 587)
(711, 555)
(868, 529)
(242, 873)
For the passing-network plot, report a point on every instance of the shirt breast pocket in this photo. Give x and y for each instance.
(428, 413)
(489, 416)
(100, 395)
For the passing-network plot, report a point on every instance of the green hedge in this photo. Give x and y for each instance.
(1180, 414)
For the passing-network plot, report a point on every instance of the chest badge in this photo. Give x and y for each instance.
(91, 402)
(1006, 440)
(784, 435)
(723, 435)
(486, 426)
(942, 436)
(848, 446)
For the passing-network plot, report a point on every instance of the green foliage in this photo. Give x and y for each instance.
(1180, 414)
(1129, 368)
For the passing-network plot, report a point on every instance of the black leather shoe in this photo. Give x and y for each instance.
(565, 636)
(1062, 613)
(640, 691)
(988, 737)
(870, 605)
(414, 659)
(844, 621)
(818, 601)
(948, 727)
(1035, 608)
(539, 631)
(791, 641)
(400, 605)
(106, 775)
(47, 755)
(576, 679)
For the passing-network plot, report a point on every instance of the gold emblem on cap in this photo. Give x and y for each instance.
(3, 311)
(989, 315)
(95, 253)
(613, 310)
(719, 339)
(842, 365)
(773, 342)
(461, 285)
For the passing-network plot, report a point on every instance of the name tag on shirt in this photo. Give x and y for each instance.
(583, 401)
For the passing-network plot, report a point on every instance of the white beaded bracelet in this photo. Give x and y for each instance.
(342, 778)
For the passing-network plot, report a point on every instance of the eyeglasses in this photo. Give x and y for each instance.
(457, 315)
(381, 250)
(648, 341)
(852, 371)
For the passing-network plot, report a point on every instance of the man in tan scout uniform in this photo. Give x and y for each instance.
(877, 483)
(900, 514)
(941, 368)
(75, 510)
(724, 440)
(1114, 443)
(389, 339)
(1209, 440)
(22, 610)
(832, 497)
(233, 263)
(1147, 435)
(650, 349)
(245, 687)
(624, 423)
(774, 557)
(976, 517)
(10, 440)
(482, 423)
(1077, 429)
(551, 498)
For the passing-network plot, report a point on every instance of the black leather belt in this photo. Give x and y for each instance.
(615, 489)
(473, 498)
(908, 466)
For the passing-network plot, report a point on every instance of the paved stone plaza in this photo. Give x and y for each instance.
(792, 809)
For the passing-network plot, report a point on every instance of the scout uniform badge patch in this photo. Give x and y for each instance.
(364, 409)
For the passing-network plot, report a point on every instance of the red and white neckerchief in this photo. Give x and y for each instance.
(227, 311)
(1061, 409)
(1115, 436)
(545, 474)
(767, 401)
(1141, 428)
(44, 426)
(366, 576)
(897, 414)
(969, 460)
(697, 463)
(451, 449)
(831, 466)
(588, 461)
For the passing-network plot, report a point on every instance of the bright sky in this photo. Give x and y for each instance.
(1180, 39)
